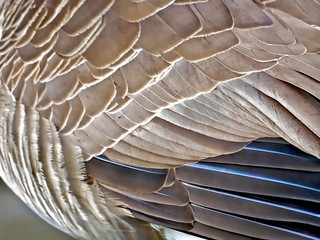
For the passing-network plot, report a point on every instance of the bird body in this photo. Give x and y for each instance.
(162, 119)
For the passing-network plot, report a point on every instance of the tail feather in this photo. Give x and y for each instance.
(268, 190)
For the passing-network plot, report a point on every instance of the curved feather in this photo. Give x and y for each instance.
(120, 113)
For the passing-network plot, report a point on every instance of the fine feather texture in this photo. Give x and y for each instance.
(124, 112)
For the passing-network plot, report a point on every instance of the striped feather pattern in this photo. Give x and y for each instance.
(110, 111)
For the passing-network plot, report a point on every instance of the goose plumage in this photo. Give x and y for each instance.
(163, 119)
